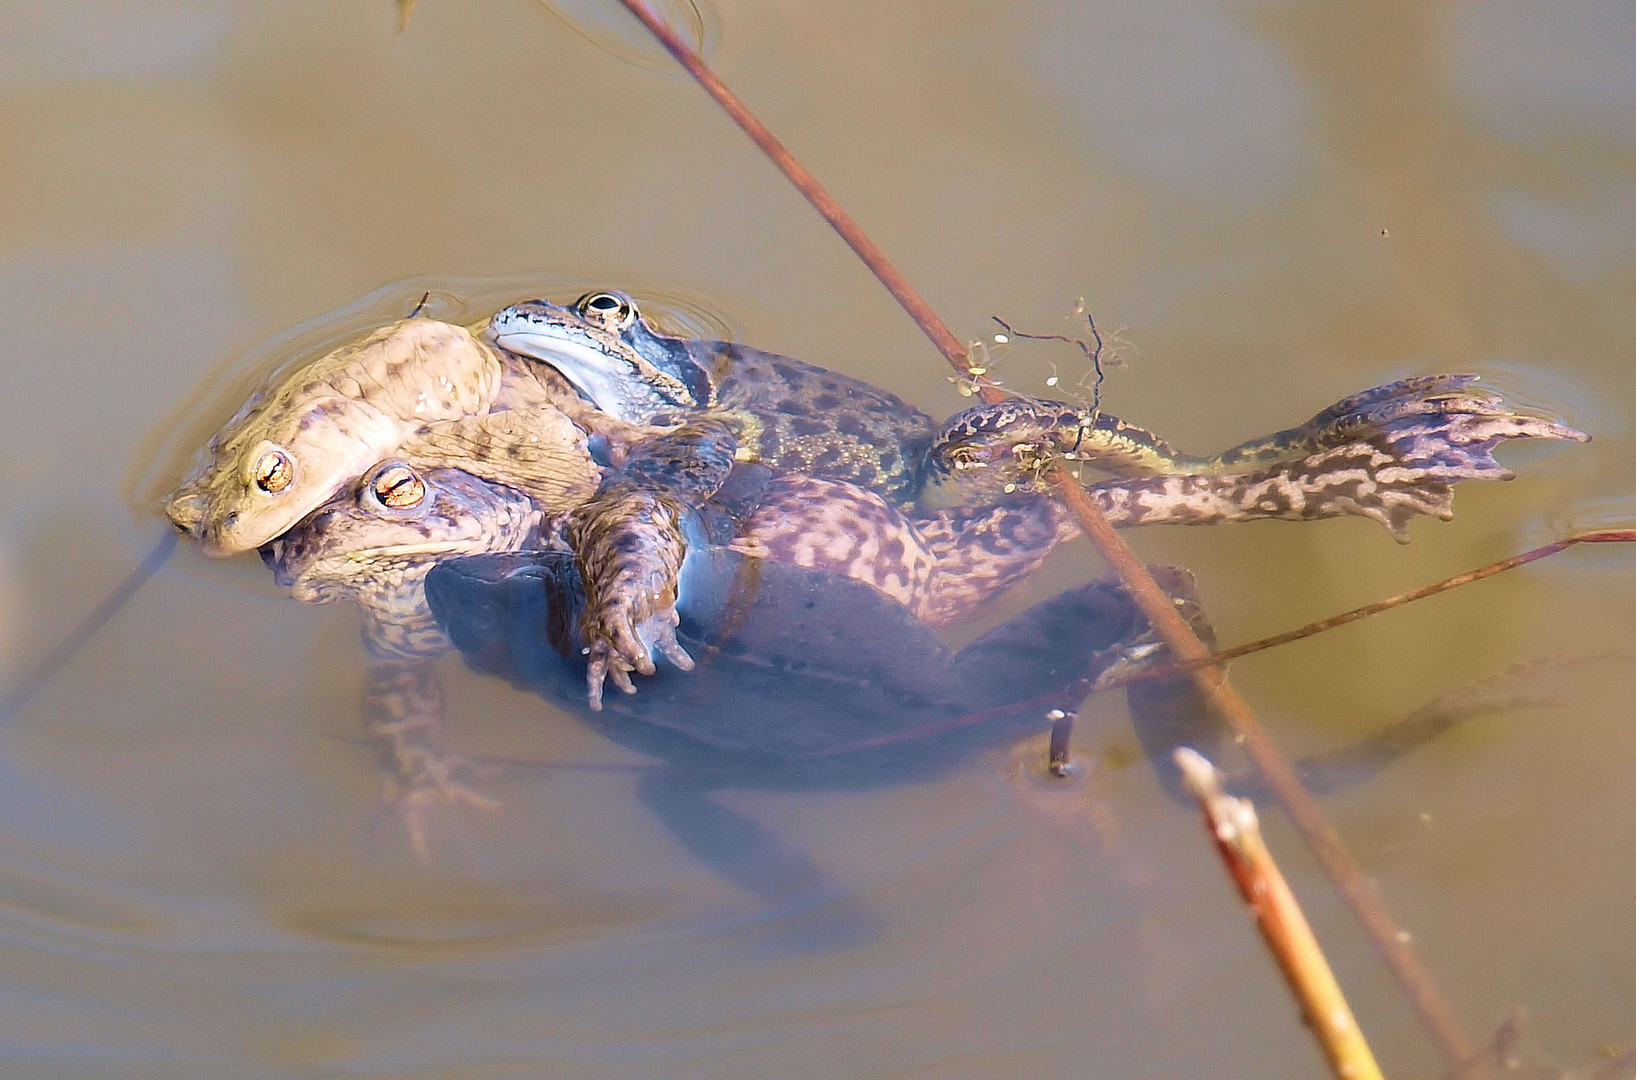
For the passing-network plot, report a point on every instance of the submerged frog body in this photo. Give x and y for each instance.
(427, 391)
(684, 493)
(417, 392)
(804, 677)
(379, 544)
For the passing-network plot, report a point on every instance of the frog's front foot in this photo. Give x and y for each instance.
(622, 639)
(630, 550)
(440, 781)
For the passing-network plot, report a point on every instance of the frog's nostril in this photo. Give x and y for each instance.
(185, 507)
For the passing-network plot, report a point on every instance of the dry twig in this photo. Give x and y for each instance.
(1232, 824)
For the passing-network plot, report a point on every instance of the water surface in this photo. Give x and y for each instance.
(1281, 202)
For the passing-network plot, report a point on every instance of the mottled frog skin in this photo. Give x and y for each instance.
(430, 395)
(632, 537)
(800, 418)
(864, 673)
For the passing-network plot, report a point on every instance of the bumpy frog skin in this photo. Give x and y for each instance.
(424, 390)
(376, 542)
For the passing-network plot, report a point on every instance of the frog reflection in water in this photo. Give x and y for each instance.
(680, 498)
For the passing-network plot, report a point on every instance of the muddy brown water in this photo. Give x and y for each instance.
(1282, 203)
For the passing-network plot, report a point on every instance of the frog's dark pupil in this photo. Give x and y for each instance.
(273, 473)
(400, 487)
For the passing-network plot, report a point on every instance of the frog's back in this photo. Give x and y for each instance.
(798, 417)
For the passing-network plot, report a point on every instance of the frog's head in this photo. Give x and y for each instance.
(385, 532)
(609, 352)
(311, 431)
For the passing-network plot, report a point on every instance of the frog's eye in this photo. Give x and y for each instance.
(273, 472)
(609, 310)
(398, 487)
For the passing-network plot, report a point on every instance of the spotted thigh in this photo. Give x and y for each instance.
(834, 526)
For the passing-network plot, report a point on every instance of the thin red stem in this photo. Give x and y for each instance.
(1155, 604)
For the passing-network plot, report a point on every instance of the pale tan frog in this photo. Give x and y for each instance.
(431, 393)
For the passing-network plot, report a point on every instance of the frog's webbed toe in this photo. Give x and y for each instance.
(1402, 463)
(415, 799)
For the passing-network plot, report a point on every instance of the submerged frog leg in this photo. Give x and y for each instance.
(839, 527)
(403, 713)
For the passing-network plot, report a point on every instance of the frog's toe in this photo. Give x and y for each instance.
(601, 667)
(414, 800)
(672, 650)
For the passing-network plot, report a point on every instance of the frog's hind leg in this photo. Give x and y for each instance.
(979, 553)
(844, 529)
(403, 711)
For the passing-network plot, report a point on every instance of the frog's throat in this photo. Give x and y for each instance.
(610, 374)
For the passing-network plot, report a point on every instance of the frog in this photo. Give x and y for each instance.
(429, 391)
(632, 537)
(416, 390)
(377, 542)
(768, 625)
(798, 417)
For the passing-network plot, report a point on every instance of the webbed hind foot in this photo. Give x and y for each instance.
(1401, 463)
(414, 800)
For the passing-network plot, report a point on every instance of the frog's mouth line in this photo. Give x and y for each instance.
(598, 377)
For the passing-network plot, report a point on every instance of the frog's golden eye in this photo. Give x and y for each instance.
(398, 487)
(609, 310)
(273, 472)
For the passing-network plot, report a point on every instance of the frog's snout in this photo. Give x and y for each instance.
(186, 510)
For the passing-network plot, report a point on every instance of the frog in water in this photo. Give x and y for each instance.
(797, 417)
(758, 628)
(428, 391)
(631, 539)
(1388, 454)
(809, 632)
